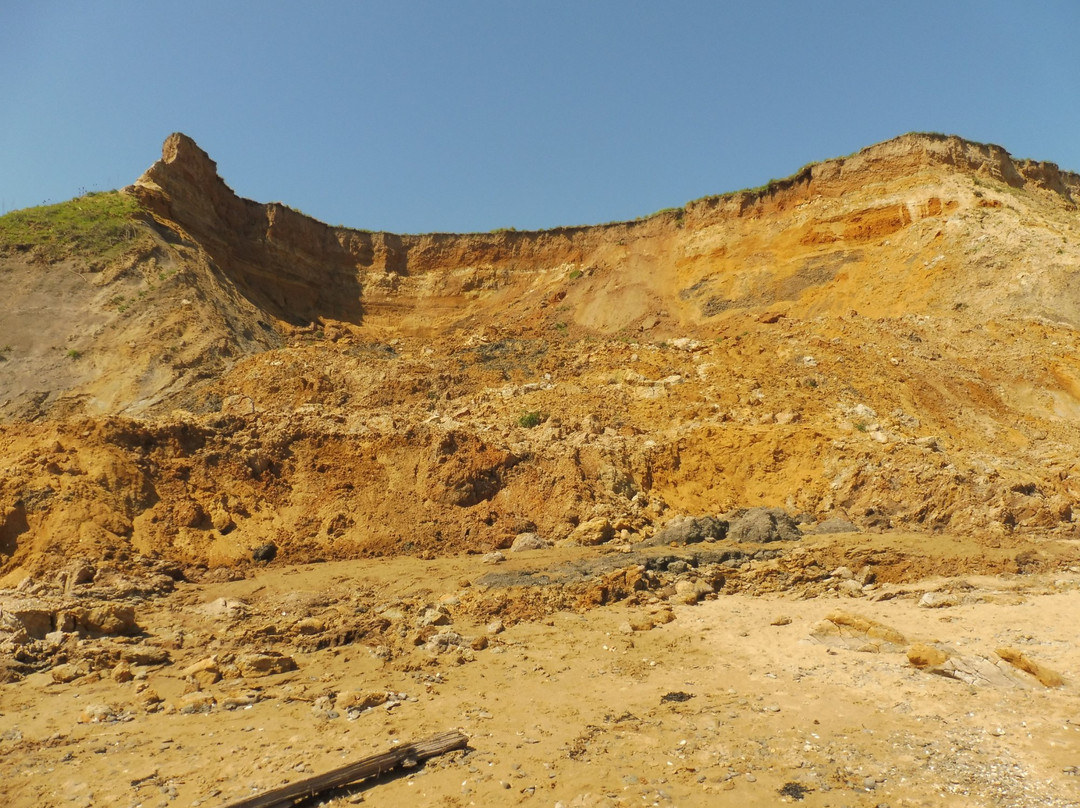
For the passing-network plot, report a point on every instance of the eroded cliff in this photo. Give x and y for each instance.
(888, 337)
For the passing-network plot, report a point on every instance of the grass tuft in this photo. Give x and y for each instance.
(97, 226)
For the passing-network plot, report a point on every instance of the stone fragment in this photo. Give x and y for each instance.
(70, 671)
(310, 626)
(122, 673)
(1047, 677)
(242, 698)
(590, 533)
(223, 523)
(149, 698)
(359, 700)
(266, 664)
(979, 671)
(197, 702)
(851, 588)
(858, 634)
(663, 616)
(444, 641)
(36, 620)
(936, 600)
(702, 588)
(433, 616)
(107, 618)
(923, 656)
(97, 714)
(264, 552)
(204, 672)
(528, 541)
(143, 654)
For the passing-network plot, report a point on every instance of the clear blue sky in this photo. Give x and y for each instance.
(467, 116)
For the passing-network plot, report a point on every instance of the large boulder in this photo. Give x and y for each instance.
(592, 532)
(690, 530)
(761, 525)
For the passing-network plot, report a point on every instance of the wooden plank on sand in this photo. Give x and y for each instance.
(373, 766)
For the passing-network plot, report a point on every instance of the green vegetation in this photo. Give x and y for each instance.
(861, 426)
(73, 354)
(531, 419)
(561, 327)
(674, 211)
(97, 225)
(575, 274)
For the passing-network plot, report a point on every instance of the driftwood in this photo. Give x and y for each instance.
(373, 766)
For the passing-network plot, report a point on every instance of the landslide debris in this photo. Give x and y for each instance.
(881, 342)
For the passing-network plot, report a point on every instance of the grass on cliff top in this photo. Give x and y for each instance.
(96, 226)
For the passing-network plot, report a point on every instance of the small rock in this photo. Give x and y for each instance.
(686, 591)
(360, 700)
(143, 654)
(204, 672)
(107, 618)
(264, 552)
(267, 664)
(851, 588)
(663, 617)
(223, 523)
(433, 616)
(528, 541)
(936, 600)
(444, 641)
(590, 533)
(97, 714)
(70, 671)
(122, 673)
(922, 655)
(1047, 677)
(309, 626)
(197, 702)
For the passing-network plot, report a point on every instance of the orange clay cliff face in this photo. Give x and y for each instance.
(888, 338)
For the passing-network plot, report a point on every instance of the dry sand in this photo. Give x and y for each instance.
(568, 708)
